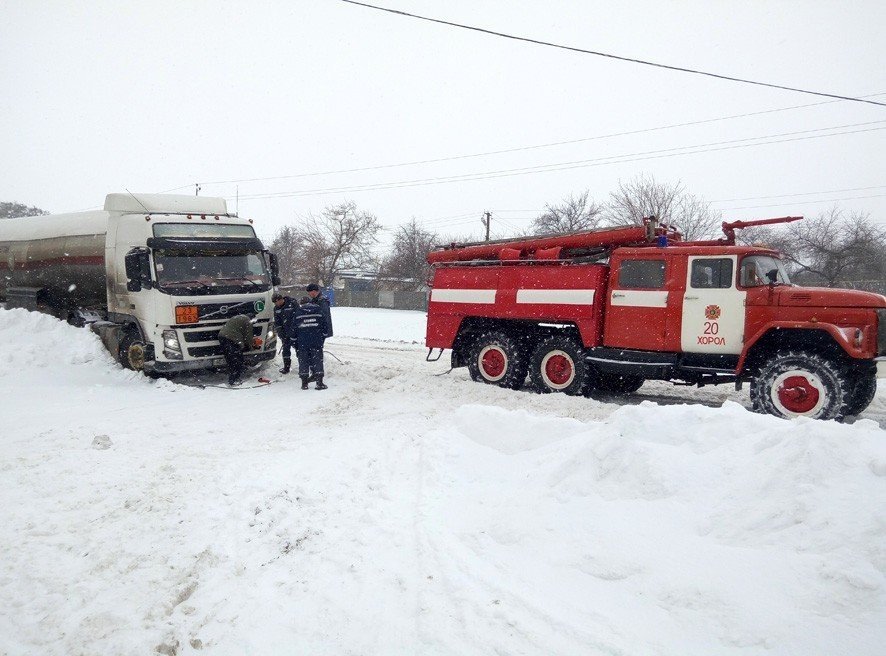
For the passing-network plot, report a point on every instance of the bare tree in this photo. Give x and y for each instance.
(14, 210)
(834, 248)
(341, 237)
(572, 214)
(286, 247)
(669, 203)
(406, 266)
(695, 219)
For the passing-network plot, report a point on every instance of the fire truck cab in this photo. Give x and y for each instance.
(606, 310)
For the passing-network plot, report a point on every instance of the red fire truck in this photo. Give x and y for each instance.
(605, 310)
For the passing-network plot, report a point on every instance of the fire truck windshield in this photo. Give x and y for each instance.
(181, 274)
(761, 270)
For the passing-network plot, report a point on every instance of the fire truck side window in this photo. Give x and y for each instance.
(711, 274)
(641, 274)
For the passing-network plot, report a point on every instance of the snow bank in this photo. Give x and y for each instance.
(38, 341)
(409, 513)
(683, 529)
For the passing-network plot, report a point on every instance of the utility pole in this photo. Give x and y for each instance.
(196, 188)
(487, 219)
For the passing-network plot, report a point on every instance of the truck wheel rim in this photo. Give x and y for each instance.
(136, 356)
(493, 363)
(557, 369)
(798, 393)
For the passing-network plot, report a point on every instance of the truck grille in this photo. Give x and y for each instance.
(208, 350)
(204, 351)
(210, 311)
(881, 332)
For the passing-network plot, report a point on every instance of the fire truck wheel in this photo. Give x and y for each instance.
(863, 394)
(132, 352)
(801, 384)
(608, 383)
(496, 359)
(557, 364)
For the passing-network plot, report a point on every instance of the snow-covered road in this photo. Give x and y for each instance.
(405, 512)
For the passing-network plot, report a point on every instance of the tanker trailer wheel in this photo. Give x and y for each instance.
(802, 384)
(496, 358)
(557, 364)
(132, 351)
(610, 383)
(863, 393)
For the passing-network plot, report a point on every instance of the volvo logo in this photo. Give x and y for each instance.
(223, 309)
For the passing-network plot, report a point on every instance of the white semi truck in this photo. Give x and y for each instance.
(155, 275)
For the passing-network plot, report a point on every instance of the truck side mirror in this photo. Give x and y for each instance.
(275, 269)
(138, 270)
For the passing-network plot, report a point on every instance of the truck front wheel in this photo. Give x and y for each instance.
(558, 365)
(801, 384)
(495, 358)
(132, 352)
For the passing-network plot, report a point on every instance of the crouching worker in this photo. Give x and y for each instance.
(236, 337)
(310, 327)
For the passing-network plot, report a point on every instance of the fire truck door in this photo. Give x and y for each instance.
(637, 305)
(713, 308)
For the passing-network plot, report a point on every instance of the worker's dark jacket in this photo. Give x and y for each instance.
(283, 316)
(323, 302)
(308, 327)
(238, 330)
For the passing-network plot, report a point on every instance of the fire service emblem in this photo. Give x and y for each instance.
(712, 312)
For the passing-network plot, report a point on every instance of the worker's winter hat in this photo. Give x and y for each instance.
(313, 287)
(277, 296)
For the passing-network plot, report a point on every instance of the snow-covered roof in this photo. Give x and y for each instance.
(164, 204)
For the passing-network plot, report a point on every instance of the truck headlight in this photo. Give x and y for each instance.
(170, 340)
(171, 348)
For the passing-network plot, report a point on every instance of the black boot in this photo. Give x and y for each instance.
(304, 382)
(287, 362)
(312, 378)
(320, 385)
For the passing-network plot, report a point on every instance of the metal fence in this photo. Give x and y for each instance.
(389, 300)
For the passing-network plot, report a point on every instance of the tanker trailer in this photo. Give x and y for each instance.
(156, 276)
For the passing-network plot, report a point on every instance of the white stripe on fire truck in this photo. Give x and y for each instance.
(556, 296)
(639, 298)
(463, 295)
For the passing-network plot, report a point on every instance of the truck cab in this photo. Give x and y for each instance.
(176, 274)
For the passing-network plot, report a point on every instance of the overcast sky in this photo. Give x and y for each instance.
(99, 96)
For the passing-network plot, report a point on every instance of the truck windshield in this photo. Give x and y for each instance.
(191, 273)
(761, 270)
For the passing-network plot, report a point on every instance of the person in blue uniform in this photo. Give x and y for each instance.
(284, 308)
(309, 330)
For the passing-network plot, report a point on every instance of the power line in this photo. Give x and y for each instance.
(561, 166)
(517, 148)
(805, 202)
(805, 193)
(611, 56)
